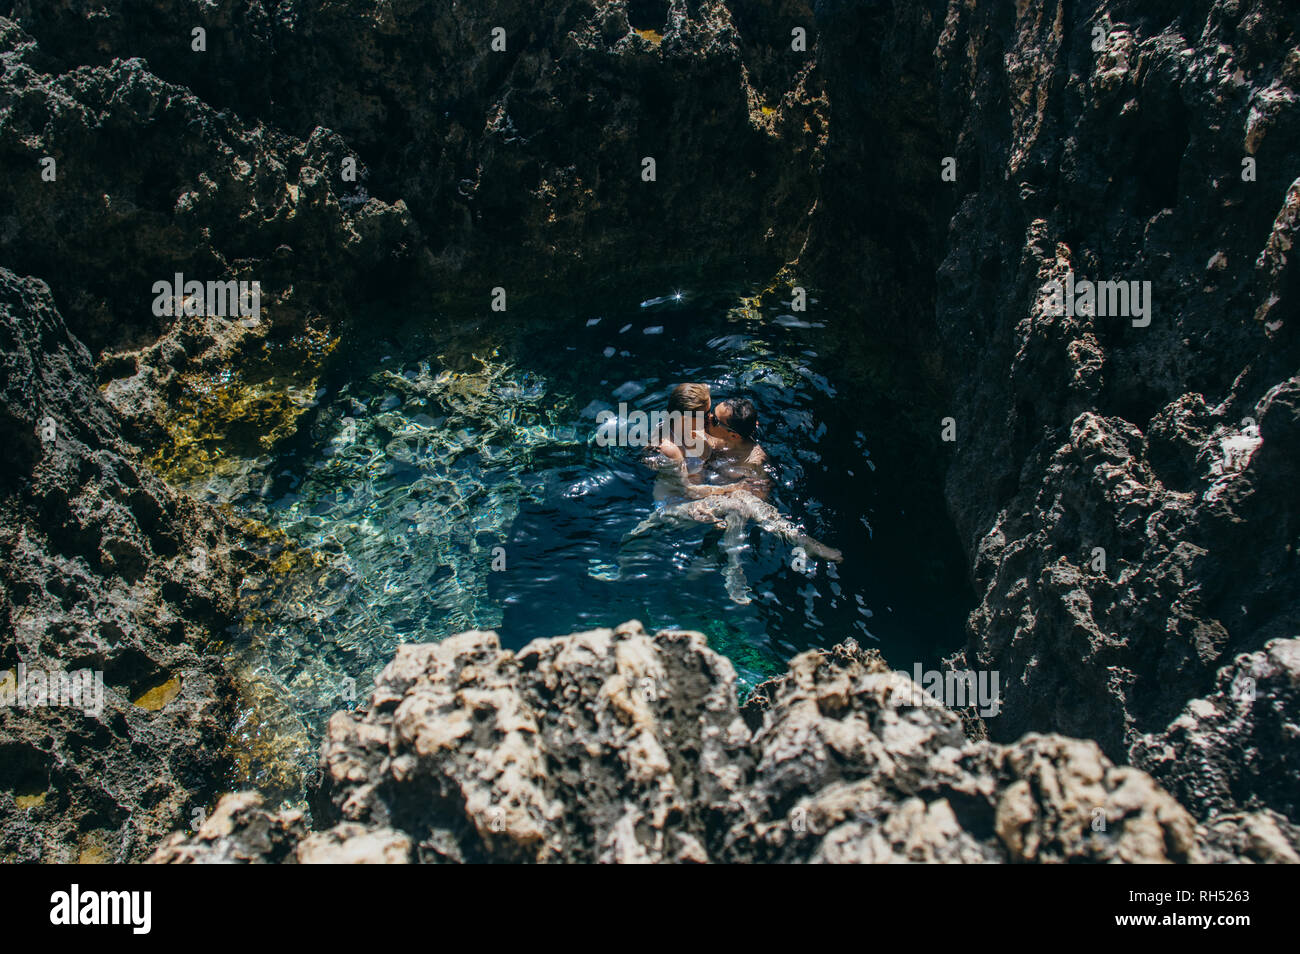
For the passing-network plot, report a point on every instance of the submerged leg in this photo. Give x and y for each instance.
(733, 541)
(644, 527)
(664, 518)
(774, 523)
(818, 549)
(638, 542)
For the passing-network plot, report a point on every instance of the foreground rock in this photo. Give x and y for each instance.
(619, 746)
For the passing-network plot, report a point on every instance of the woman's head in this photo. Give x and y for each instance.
(690, 399)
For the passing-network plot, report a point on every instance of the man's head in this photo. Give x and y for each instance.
(733, 421)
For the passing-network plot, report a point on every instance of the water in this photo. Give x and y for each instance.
(446, 478)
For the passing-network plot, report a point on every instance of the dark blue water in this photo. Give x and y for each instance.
(446, 478)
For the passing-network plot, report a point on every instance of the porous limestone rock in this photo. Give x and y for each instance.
(102, 568)
(619, 746)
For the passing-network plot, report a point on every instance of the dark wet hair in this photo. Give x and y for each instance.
(744, 419)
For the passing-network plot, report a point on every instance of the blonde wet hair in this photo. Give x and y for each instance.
(689, 398)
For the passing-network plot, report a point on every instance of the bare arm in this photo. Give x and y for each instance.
(670, 461)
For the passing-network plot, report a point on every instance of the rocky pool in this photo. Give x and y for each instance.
(446, 477)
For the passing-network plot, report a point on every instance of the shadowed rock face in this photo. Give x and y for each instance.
(149, 182)
(1239, 746)
(619, 746)
(102, 568)
(152, 181)
(519, 162)
(1172, 446)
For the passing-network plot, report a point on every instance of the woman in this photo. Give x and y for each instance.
(683, 440)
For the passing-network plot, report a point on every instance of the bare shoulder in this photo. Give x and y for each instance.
(671, 451)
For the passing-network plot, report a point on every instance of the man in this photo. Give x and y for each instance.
(735, 456)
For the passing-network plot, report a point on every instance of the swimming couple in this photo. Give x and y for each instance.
(710, 469)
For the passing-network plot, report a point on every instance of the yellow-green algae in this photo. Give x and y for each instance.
(225, 417)
(282, 554)
(156, 697)
(269, 743)
(93, 848)
(750, 307)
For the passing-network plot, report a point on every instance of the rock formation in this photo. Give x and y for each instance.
(1127, 492)
(619, 746)
(1124, 490)
(520, 162)
(102, 568)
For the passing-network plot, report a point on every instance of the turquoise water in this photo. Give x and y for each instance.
(447, 478)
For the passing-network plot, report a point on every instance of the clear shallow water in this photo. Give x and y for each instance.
(446, 478)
